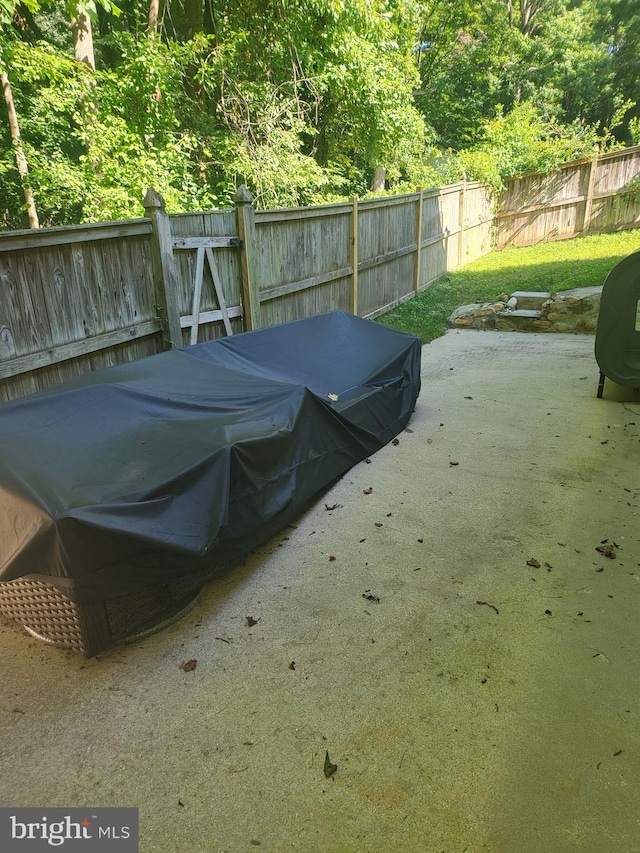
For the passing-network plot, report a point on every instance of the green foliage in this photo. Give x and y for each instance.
(303, 100)
(526, 140)
(8, 8)
(576, 61)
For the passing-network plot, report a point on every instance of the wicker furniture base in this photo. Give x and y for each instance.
(49, 615)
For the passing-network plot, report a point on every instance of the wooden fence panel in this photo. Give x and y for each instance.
(434, 239)
(74, 299)
(615, 213)
(478, 225)
(304, 265)
(582, 197)
(387, 251)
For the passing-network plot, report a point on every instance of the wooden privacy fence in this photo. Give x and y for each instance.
(79, 298)
(83, 297)
(585, 196)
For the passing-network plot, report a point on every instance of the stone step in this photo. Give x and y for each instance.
(530, 313)
(530, 300)
(521, 319)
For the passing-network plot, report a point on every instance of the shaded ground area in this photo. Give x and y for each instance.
(471, 699)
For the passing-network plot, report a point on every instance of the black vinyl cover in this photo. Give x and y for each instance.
(617, 346)
(137, 474)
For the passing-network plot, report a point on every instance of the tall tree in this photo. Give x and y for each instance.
(625, 47)
(7, 11)
(21, 160)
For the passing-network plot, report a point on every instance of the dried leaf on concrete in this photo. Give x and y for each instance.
(607, 551)
(329, 768)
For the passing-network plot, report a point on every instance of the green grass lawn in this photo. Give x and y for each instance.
(561, 265)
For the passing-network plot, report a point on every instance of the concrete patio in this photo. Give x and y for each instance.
(441, 624)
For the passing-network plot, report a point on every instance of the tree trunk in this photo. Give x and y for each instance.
(194, 18)
(83, 38)
(378, 179)
(84, 55)
(154, 12)
(21, 160)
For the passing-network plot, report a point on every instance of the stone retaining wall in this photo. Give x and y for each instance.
(568, 311)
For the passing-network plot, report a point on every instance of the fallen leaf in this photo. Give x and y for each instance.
(454, 463)
(189, 665)
(333, 397)
(406, 429)
(329, 768)
(607, 551)
(533, 562)
(331, 558)
(251, 621)
(292, 665)
(332, 506)
(468, 398)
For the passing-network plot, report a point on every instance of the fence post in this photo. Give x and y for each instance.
(164, 269)
(588, 203)
(417, 269)
(353, 257)
(463, 189)
(245, 216)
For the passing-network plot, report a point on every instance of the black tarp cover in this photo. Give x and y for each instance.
(134, 475)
